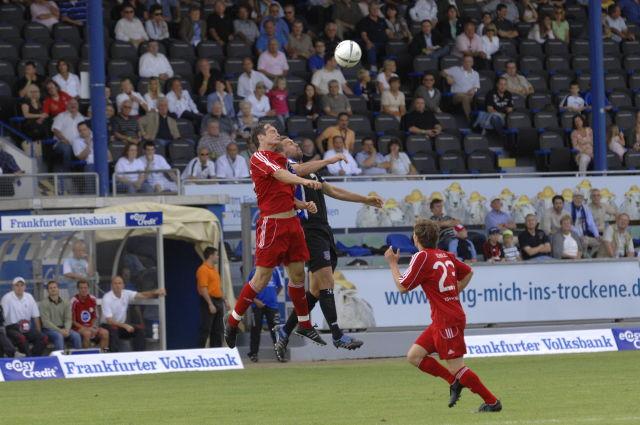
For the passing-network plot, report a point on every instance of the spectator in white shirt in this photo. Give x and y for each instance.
(490, 41)
(231, 165)
(153, 94)
(22, 319)
(617, 24)
(573, 102)
(181, 104)
(347, 167)
(45, 12)
(154, 162)
(249, 78)
(617, 242)
(272, 62)
(399, 162)
(157, 28)
(464, 82)
(200, 167)
(154, 64)
(424, 10)
(370, 160)
(327, 73)
(130, 29)
(389, 68)
(260, 105)
(130, 172)
(542, 30)
(65, 130)
(127, 93)
(68, 81)
(83, 146)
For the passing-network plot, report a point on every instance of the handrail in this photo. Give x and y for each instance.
(49, 185)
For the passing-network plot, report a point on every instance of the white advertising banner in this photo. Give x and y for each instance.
(76, 222)
(466, 199)
(501, 293)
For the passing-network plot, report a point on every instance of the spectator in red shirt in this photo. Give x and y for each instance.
(492, 249)
(56, 100)
(84, 314)
(278, 98)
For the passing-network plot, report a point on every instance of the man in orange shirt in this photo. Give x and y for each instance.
(212, 300)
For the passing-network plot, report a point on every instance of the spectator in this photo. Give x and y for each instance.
(340, 129)
(602, 213)
(533, 241)
(346, 167)
(260, 106)
(316, 60)
(542, 30)
(215, 140)
(154, 64)
(374, 34)
(136, 99)
(193, 29)
(330, 37)
(573, 102)
(206, 78)
(451, 27)
(490, 41)
(584, 224)
(509, 249)
(517, 83)
(334, 102)
(245, 28)
(370, 160)
(631, 10)
(308, 103)
(115, 304)
(153, 94)
(6, 347)
(56, 101)
(498, 104)
(246, 121)
(513, 13)
(130, 172)
(226, 123)
(399, 162)
(552, 216)
(181, 103)
(388, 71)
(84, 316)
(269, 33)
(212, 300)
(616, 142)
(29, 79)
(65, 130)
(249, 78)
(55, 313)
(346, 15)
(36, 124)
(265, 305)
(309, 152)
(67, 81)
(429, 93)
(231, 165)
(485, 21)
(276, 15)
(83, 147)
(617, 24)
(156, 26)
(364, 87)
(139, 10)
(634, 138)
(420, 120)
(8, 166)
(446, 222)
(22, 320)
(272, 62)
(470, 44)
(617, 241)
(200, 167)
(278, 99)
(158, 126)
(498, 218)
(530, 11)
(299, 45)
(582, 143)
(45, 12)
(158, 180)
(424, 10)
(492, 249)
(126, 128)
(506, 28)
(560, 26)
(464, 82)
(392, 101)
(129, 28)
(428, 42)
(462, 247)
(220, 24)
(290, 18)
(79, 266)
(220, 95)
(566, 243)
(396, 24)
(321, 77)
(73, 14)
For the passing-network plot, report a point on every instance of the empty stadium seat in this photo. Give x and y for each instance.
(545, 120)
(482, 161)
(210, 50)
(386, 123)
(298, 68)
(295, 85)
(325, 121)
(5, 89)
(181, 68)
(531, 48)
(119, 68)
(625, 119)
(530, 63)
(447, 121)
(67, 33)
(233, 67)
(7, 72)
(417, 143)
(557, 63)
(180, 151)
(615, 80)
(613, 161)
(560, 159)
(358, 105)
(383, 144)
(631, 63)
(235, 49)
(621, 100)
(123, 50)
(182, 50)
(449, 61)
(360, 124)
(299, 127)
(632, 160)
(560, 82)
(611, 63)
(9, 32)
(452, 162)
(9, 52)
(556, 48)
(539, 101)
(580, 63)
(423, 63)
(34, 51)
(538, 80)
(425, 162)
(13, 13)
(474, 142)
(64, 50)
(36, 32)
(185, 128)
(446, 142)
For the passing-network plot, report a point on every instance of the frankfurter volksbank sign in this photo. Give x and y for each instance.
(62, 222)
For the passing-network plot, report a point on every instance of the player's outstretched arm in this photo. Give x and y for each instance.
(392, 258)
(306, 168)
(289, 178)
(305, 205)
(345, 195)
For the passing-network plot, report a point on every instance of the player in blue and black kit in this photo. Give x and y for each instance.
(265, 305)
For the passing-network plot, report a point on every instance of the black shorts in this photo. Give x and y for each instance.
(322, 248)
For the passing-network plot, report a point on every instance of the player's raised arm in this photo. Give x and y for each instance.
(306, 168)
(289, 178)
(392, 258)
(345, 195)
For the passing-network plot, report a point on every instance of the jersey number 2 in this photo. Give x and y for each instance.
(445, 266)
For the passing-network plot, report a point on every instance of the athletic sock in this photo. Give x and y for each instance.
(470, 380)
(292, 320)
(299, 299)
(245, 299)
(328, 306)
(433, 367)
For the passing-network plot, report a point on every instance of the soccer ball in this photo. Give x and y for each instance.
(348, 54)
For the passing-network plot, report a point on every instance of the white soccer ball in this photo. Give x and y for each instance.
(348, 54)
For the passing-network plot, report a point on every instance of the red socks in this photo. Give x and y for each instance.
(472, 381)
(433, 367)
(245, 299)
(299, 299)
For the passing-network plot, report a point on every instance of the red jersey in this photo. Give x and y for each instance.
(273, 196)
(52, 107)
(84, 311)
(278, 100)
(438, 272)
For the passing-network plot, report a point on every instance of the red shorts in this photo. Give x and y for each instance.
(447, 342)
(280, 241)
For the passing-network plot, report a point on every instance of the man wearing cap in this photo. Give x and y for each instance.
(584, 224)
(56, 318)
(446, 223)
(533, 241)
(22, 319)
(498, 218)
(491, 249)
(462, 247)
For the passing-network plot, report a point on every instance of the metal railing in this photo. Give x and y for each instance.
(165, 182)
(47, 185)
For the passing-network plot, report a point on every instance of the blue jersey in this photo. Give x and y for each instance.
(269, 295)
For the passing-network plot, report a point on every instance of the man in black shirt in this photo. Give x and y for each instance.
(205, 81)
(534, 243)
(322, 249)
(374, 34)
(498, 103)
(506, 28)
(421, 121)
(220, 24)
(330, 37)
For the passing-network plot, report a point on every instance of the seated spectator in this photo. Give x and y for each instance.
(56, 100)
(299, 45)
(340, 129)
(530, 11)
(8, 166)
(329, 72)
(206, 78)
(308, 103)
(584, 224)
(429, 93)
(73, 13)
(346, 16)
(128, 93)
(392, 101)
(330, 37)
(533, 241)
(158, 126)
(272, 62)
(334, 102)
(220, 24)
(616, 142)
(364, 87)
(498, 104)
(399, 30)
(260, 106)
(139, 9)
(84, 316)
(470, 44)
(374, 34)
(65, 130)
(346, 167)
(153, 94)
(154, 64)
(22, 320)
(78, 266)
(249, 78)
(462, 247)
(617, 241)
(36, 124)
(115, 304)
(506, 28)
(517, 83)
(617, 24)
(389, 68)
(30, 78)
(399, 162)
(68, 82)
(451, 27)
(573, 102)
(560, 26)
(269, 33)
(552, 216)
(309, 152)
(200, 167)
(316, 60)
(424, 10)
(542, 30)
(603, 212)
(566, 243)
(276, 15)
(227, 124)
(490, 41)
(245, 28)
(193, 29)
(485, 21)
(153, 163)
(181, 103)
(420, 120)
(231, 165)
(446, 222)
(156, 26)
(278, 99)
(290, 17)
(45, 12)
(129, 28)
(125, 127)
(370, 160)
(464, 82)
(246, 121)
(492, 249)
(6, 347)
(498, 218)
(631, 10)
(220, 95)
(582, 143)
(55, 313)
(83, 147)
(130, 172)
(509, 249)
(215, 140)
(513, 13)
(428, 42)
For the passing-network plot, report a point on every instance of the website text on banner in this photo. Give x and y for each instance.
(501, 293)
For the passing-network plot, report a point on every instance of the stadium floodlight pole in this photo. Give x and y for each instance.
(597, 86)
(98, 102)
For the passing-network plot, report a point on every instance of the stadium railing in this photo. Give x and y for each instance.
(171, 177)
(48, 185)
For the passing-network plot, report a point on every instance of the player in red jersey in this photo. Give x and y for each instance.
(442, 276)
(84, 314)
(279, 235)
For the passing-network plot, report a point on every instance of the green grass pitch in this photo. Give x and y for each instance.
(561, 389)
